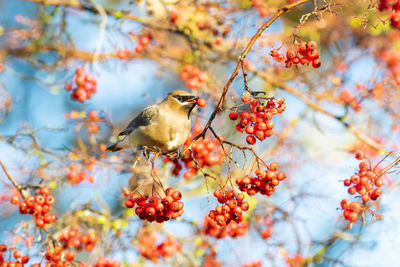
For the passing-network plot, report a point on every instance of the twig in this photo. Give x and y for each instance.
(15, 184)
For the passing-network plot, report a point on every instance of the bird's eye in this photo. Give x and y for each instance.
(178, 97)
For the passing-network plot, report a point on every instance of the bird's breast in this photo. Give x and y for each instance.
(167, 132)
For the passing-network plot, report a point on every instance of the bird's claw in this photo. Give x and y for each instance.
(179, 153)
(146, 151)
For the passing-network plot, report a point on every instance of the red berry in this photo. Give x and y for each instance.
(17, 254)
(290, 54)
(233, 115)
(14, 199)
(345, 203)
(70, 255)
(312, 45)
(45, 191)
(316, 63)
(353, 217)
(359, 155)
(201, 102)
(251, 139)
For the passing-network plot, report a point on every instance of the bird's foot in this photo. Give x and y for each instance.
(179, 153)
(146, 151)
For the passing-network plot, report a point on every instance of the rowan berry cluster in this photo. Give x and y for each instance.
(232, 229)
(231, 208)
(142, 43)
(85, 85)
(155, 208)
(19, 259)
(58, 257)
(73, 238)
(395, 7)
(194, 78)
(263, 10)
(78, 172)
(166, 249)
(265, 181)
(92, 119)
(257, 120)
(306, 53)
(206, 151)
(366, 182)
(38, 206)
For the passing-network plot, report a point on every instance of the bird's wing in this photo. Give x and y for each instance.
(143, 119)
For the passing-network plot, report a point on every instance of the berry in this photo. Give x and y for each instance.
(201, 102)
(233, 115)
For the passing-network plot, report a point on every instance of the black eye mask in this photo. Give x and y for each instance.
(184, 98)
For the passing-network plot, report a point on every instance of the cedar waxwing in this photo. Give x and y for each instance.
(163, 127)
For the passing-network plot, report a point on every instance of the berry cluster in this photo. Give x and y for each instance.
(72, 238)
(77, 172)
(306, 53)
(231, 210)
(395, 7)
(263, 10)
(257, 120)
(58, 257)
(366, 182)
(150, 250)
(207, 152)
(19, 260)
(142, 43)
(265, 181)
(194, 78)
(91, 119)
(38, 206)
(154, 208)
(232, 229)
(86, 85)
(351, 209)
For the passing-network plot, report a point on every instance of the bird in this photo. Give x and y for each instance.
(161, 128)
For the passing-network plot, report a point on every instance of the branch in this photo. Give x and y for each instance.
(387, 168)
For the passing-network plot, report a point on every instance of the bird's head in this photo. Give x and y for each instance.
(181, 100)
